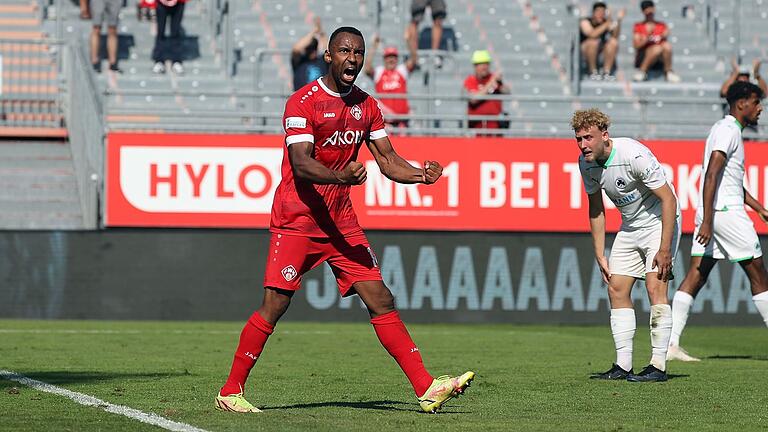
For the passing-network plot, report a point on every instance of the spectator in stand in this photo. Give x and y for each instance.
(85, 10)
(599, 35)
(480, 84)
(391, 78)
(105, 10)
(169, 47)
(308, 65)
(146, 10)
(439, 12)
(651, 45)
(742, 73)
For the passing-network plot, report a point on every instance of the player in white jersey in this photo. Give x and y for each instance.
(723, 229)
(645, 246)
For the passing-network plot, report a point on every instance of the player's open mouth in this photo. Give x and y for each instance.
(348, 74)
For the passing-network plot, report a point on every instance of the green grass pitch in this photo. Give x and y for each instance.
(329, 377)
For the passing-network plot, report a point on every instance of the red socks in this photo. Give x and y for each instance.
(395, 338)
(252, 340)
(389, 328)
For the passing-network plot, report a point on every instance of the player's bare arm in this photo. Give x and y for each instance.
(597, 227)
(663, 259)
(395, 168)
(306, 167)
(755, 205)
(714, 171)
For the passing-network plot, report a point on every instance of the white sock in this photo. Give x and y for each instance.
(661, 329)
(681, 305)
(761, 303)
(623, 326)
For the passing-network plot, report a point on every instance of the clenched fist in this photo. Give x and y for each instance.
(354, 173)
(432, 171)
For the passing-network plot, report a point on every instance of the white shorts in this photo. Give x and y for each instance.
(633, 251)
(733, 237)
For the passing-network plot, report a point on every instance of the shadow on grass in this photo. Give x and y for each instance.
(669, 376)
(383, 405)
(72, 377)
(737, 357)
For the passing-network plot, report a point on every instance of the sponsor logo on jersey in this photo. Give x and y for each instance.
(620, 202)
(347, 137)
(329, 115)
(356, 112)
(289, 273)
(620, 183)
(295, 122)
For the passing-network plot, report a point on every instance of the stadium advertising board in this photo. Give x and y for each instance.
(488, 184)
(434, 276)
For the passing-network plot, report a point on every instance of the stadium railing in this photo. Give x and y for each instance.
(640, 115)
(85, 122)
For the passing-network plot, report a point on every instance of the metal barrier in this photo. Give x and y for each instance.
(635, 113)
(85, 121)
(29, 95)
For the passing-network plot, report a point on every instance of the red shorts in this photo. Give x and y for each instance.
(351, 259)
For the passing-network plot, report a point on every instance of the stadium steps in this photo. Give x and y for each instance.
(29, 97)
(38, 188)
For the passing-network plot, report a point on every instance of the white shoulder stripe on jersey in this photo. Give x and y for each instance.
(293, 139)
(381, 133)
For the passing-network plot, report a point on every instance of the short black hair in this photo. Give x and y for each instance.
(599, 5)
(742, 90)
(312, 47)
(645, 4)
(341, 30)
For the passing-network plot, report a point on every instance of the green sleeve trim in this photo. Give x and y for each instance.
(697, 255)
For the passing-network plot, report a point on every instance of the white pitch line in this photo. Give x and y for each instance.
(84, 399)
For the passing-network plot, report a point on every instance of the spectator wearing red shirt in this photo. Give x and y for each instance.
(392, 78)
(482, 83)
(651, 45)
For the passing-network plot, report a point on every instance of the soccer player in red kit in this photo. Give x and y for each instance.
(313, 221)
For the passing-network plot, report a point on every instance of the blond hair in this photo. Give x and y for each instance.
(584, 119)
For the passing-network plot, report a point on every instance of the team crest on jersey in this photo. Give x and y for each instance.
(620, 183)
(289, 273)
(356, 112)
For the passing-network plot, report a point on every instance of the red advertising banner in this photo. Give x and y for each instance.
(488, 184)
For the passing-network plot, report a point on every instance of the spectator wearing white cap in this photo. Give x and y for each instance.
(391, 78)
(482, 83)
(744, 73)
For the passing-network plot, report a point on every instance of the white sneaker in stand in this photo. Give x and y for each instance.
(673, 77)
(158, 68)
(177, 68)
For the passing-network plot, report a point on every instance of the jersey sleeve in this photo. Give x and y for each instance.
(726, 140)
(471, 84)
(297, 122)
(378, 71)
(377, 120)
(402, 69)
(590, 185)
(646, 168)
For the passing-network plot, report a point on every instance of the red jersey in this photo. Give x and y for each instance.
(488, 107)
(337, 124)
(392, 81)
(655, 36)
